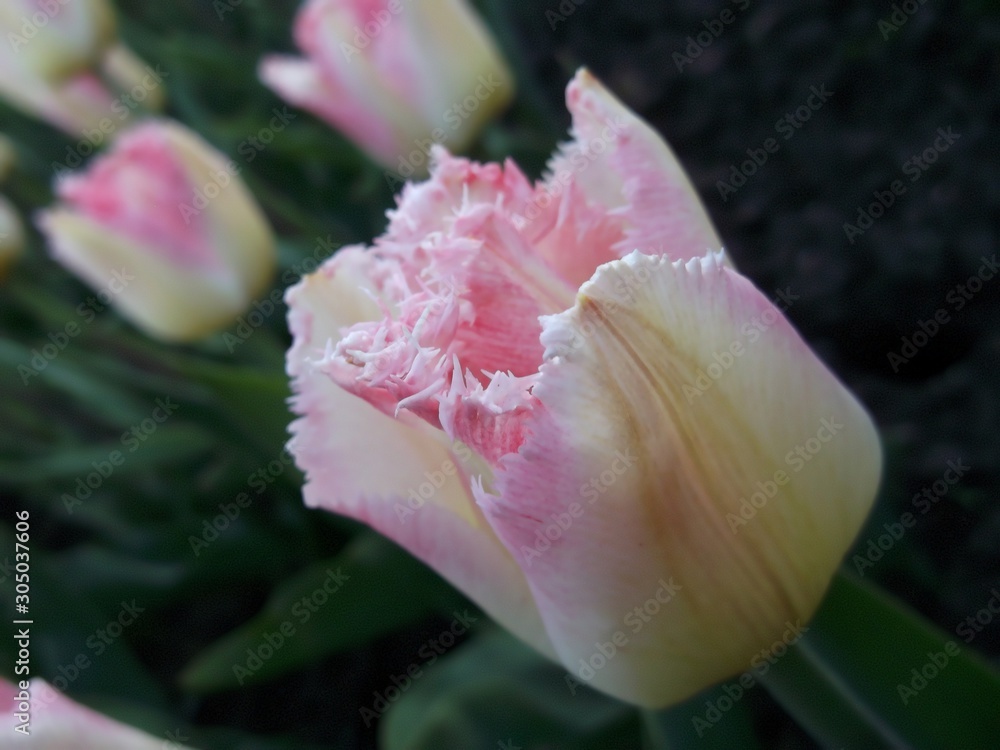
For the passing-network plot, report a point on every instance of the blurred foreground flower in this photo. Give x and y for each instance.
(11, 235)
(395, 75)
(59, 59)
(165, 224)
(57, 723)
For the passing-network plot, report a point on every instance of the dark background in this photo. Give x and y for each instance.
(892, 90)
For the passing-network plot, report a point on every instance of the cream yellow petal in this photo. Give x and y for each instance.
(674, 395)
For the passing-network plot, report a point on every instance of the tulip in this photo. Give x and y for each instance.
(75, 105)
(164, 225)
(56, 38)
(59, 58)
(564, 399)
(11, 235)
(394, 75)
(54, 722)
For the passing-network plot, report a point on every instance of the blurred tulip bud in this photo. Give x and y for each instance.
(395, 76)
(164, 224)
(55, 39)
(139, 82)
(61, 63)
(11, 235)
(51, 721)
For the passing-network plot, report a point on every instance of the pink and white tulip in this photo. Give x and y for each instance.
(165, 222)
(59, 58)
(55, 39)
(511, 384)
(57, 723)
(394, 75)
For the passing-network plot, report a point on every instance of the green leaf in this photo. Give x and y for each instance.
(169, 444)
(871, 673)
(378, 588)
(496, 692)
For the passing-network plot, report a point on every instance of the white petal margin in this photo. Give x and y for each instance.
(57, 723)
(385, 472)
(646, 473)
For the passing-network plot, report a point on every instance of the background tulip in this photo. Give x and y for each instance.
(167, 222)
(57, 723)
(611, 392)
(55, 39)
(62, 63)
(394, 75)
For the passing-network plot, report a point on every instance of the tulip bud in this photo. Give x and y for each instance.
(39, 717)
(164, 224)
(395, 76)
(55, 39)
(11, 235)
(599, 430)
(140, 83)
(55, 57)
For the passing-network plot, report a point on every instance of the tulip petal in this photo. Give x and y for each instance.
(395, 77)
(141, 189)
(58, 723)
(303, 84)
(401, 476)
(144, 285)
(642, 462)
(620, 162)
(75, 105)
